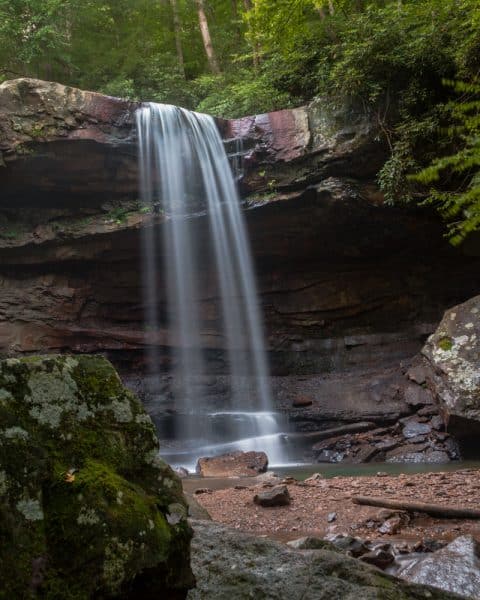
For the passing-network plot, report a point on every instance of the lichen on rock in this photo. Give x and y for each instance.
(81, 514)
(452, 355)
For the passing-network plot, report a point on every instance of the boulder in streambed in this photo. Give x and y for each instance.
(455, 568)
(233, 464)
(87, 508)
(229, 564)
(276, 496)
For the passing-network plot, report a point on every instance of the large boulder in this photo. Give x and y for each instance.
(455, 568)
(87, 508)
(233, 464)
(453, 358)
(229, 564)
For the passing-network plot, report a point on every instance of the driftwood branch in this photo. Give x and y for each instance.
(434, 510)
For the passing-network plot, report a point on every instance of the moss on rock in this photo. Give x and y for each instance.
(85, 507)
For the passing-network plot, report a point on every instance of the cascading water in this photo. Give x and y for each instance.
(184, 169)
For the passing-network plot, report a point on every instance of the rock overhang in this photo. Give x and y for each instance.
(61, 144)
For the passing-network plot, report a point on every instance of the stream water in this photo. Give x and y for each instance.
(184, 170)
(301, 472)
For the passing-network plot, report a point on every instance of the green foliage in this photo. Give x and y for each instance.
(459, 172)
(387, 57)
(242, 95)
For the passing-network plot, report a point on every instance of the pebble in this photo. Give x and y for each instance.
(331, 517)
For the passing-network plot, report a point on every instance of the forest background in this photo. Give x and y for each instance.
(412, 66)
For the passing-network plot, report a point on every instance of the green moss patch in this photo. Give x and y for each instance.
(445, 343)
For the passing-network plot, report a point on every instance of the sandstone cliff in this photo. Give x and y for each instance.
(350, 288)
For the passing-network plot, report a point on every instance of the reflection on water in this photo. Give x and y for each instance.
(344, 470)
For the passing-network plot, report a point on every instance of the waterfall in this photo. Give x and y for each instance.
(184, 171)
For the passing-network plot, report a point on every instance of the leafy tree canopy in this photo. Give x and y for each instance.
(390, 57)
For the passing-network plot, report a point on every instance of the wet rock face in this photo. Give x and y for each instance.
(453, 356)
(348, 287)
(228, 564)
(87, 508)
(288, 149)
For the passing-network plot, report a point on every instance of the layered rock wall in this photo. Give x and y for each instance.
(349, 288)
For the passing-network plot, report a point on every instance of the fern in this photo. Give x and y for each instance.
(461, 206)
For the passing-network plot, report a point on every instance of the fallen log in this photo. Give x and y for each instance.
(434, 510)
(310, 437)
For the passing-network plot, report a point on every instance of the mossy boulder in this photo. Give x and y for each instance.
(87, 507)
(452, 356)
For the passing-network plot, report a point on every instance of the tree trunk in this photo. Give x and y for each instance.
(434, 510)
(247, 4)
(207, 40)
(331, 8)
(238, 32)
(177, 27)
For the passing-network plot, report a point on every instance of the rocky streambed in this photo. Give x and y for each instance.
(89, 510)
(321, 514)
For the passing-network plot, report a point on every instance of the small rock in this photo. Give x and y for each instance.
(418, 396)
(436, 457)
(391, 526)
(331, 517)
(417, 374)
(199, 491)
(311, 543)
(407, 457)
(353, 546)
(382, 474)
(413, 428)
(302, 401)
(330, 456)
(418, 439)
(428, 411)
(269, 475)
(387, 444)
(385, 513)
(379, 558)
(430, 545)
(403, 453)
(181, 472)
(315, 477)
(437, 423)
(452, 448)
(277, 496)
(365, 454)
